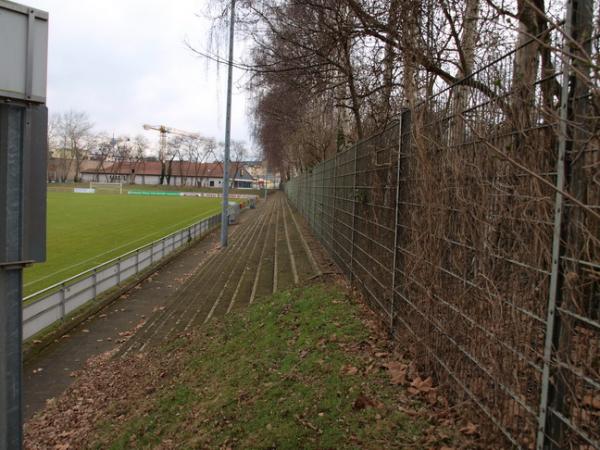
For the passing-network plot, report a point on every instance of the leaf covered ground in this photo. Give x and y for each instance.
(306, 368)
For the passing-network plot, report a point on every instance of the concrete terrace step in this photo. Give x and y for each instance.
(266, 254)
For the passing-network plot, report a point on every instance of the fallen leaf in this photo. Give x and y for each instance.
(349, 370)
(592, 400)
(469, 429)
(397, 372)
(362, 402)
(421, 385)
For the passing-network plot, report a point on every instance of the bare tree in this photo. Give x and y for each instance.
(344, 68)
(102, 153)
(71, 131)
(238, 153)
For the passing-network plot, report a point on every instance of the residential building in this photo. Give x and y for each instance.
(174, 173)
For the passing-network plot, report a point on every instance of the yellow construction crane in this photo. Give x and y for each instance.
(164, 130)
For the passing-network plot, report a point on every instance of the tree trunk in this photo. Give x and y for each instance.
(468, 42)
(389, 61)
(525, 65)
(354, 99)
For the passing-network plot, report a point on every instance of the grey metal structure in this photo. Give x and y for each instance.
(234, 213)
(224, 218)
(472, 225)
(24, 38)
(23, 159)
(52, 304)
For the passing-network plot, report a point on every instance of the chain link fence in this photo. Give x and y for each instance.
(472, 225)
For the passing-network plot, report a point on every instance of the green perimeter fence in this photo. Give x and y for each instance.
(472, 225)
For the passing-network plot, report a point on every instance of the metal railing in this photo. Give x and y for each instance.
(52, 304)
(472, 225)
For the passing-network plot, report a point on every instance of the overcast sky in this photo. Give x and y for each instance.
(125, 63)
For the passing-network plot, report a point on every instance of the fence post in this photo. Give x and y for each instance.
(306, 197)
(119, 270)
(313, 196)
(354, 200)
(396, 210)
(137, 261)
(555, 283)
(302, 195)
(333, 207)
(577, 45)
(323, 193)
(62, 301)
(322, 216)
(95, 281)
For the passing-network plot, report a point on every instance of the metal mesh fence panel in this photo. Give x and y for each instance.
(472, 225)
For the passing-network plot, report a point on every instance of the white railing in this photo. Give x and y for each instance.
(54, 303)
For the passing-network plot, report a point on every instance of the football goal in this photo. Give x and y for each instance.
(114, 187)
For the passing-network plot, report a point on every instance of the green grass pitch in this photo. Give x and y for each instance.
(85, 230)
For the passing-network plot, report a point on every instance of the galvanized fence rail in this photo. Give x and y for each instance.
(472, 225)
(52, 304)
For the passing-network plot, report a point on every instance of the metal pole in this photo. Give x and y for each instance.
(10, 354)
(266, 175)
(577, 30)
(333, 205)
(395, 260)
(224, 214)
(554, 290)
(353, 197)
(11, 273)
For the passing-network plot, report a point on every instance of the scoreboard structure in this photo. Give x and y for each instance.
(23, 163)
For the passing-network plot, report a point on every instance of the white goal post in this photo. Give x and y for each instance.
(100, 186)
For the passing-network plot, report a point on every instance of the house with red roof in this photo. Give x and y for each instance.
(173, 173)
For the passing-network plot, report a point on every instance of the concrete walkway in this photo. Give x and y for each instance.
(267, 251)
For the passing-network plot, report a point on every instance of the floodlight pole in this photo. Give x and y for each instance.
(224, 214)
